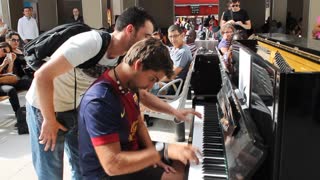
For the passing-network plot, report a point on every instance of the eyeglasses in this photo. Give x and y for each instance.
(174, 36)
(15, 40)
(228, 32)
(235, 5)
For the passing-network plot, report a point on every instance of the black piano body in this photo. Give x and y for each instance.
(288, 118)
(243, 147)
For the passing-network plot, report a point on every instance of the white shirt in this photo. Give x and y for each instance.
(76, 50)
(28, 28)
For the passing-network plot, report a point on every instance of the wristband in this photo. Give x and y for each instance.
(175, 120)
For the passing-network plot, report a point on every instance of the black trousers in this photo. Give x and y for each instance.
(8, 90)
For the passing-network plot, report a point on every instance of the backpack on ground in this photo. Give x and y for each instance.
(37, 50)
(21, 121)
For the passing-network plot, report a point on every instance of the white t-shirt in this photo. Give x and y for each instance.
(76, 50)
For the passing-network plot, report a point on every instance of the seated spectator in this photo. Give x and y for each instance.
(7, 88)
(227, 32)
(180, 55)
(224, 46)
(20, 68)
(189, 39)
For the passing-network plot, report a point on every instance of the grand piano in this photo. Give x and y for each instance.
(274, 136)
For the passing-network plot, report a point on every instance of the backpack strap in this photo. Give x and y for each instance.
(106, 38)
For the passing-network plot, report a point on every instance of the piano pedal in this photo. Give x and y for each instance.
(148, 121)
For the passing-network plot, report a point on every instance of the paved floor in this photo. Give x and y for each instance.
(15, 154)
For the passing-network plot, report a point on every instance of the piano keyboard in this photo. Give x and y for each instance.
(208, 138)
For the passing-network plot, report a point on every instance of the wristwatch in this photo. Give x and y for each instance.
(160, 148)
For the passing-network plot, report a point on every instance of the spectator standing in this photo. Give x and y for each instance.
(238, 18)
(76, 17)
(27, 26)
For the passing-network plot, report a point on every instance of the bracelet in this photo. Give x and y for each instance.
(166, 156)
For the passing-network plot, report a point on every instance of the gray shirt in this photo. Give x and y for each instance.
(181, 57)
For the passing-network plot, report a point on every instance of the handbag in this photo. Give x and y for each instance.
(8, 79)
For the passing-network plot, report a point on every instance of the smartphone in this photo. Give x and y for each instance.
(9, 56)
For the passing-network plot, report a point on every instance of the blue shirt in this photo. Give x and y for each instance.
(105, 116)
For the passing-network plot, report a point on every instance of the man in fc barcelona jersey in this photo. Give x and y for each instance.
(113, 139)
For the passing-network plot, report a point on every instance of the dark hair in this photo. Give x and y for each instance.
(234, 1)
(153, 54)
(175, 28)
(4, 45)
(136, 16)
(12, 33)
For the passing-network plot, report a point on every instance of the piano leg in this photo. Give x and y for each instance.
(180, 132)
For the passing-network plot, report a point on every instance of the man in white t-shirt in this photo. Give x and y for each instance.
(27, 26)
(51, 99)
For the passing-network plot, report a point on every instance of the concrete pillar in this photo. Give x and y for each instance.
(95, 13)
(47, 14)
(4, 12)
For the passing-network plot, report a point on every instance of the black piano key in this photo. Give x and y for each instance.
(212, 140)
(213, 178)
(214, 161)
(208, 167)
(212, 146)
(213, 153)
(214, 170)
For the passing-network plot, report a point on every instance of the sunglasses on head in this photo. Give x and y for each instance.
(236, 5)
(5, 50)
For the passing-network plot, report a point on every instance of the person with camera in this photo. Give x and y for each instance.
(7, 78)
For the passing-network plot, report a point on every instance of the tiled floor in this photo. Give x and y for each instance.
(15, 154)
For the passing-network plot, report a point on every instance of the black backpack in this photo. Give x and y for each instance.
(48, 42)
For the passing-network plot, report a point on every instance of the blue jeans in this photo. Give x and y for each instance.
(49, 164)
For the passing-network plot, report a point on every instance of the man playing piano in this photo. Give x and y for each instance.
(113, 139)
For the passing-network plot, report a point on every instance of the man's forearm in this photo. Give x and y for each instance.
(153, 102)
(45, 93)
(143, 134)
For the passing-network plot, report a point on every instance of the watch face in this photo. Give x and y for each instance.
(159, 146)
